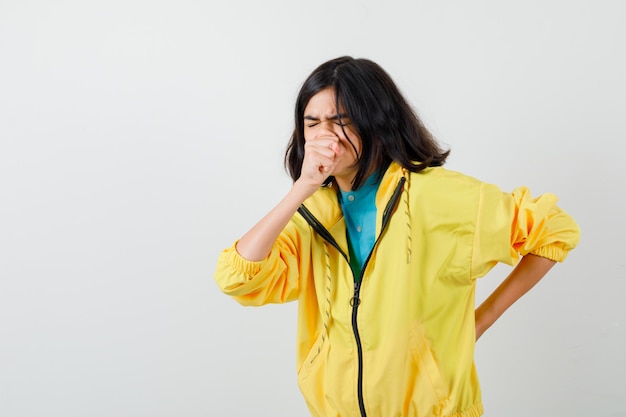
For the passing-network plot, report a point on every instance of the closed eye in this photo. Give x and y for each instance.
(338, 123)
(338, 119)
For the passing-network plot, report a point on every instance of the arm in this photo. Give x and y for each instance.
(263, 265)
(514, 224)
(321, 156)
(524, 276)
(256, 244)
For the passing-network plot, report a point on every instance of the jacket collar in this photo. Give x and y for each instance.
(324, 204)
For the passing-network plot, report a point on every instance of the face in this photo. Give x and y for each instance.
(323, 119)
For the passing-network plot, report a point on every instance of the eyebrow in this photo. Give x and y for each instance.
(333, 117)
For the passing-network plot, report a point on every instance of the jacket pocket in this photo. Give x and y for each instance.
(312, 378)
(314, 352)
(428, 380)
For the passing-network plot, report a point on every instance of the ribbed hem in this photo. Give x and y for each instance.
(240, 264)
(553, 252)
(474, 411)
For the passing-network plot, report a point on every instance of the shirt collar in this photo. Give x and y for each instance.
(369, 187)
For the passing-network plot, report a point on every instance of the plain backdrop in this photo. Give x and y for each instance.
(140, 138)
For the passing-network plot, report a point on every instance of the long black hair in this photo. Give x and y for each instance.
(389, 128)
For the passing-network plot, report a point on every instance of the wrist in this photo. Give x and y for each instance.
(303, 189)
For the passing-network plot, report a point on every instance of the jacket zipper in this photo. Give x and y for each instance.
(355, 300)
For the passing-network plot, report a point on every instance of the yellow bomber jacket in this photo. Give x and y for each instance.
(399, 341)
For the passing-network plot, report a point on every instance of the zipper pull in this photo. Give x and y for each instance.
(355, 300)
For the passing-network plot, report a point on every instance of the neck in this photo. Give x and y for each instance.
(344, 184)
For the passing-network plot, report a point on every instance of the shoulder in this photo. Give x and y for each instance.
(441, 180)
(324, 205)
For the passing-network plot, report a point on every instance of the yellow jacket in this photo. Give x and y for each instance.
(401, 341)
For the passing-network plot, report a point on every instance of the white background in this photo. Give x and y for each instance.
(140, 138)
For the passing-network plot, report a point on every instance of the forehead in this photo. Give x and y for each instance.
(322, 104)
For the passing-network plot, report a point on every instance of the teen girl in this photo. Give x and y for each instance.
(381, 247)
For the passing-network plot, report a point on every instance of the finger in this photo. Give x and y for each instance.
(326, 150)
(325, 141)
(318, 157)
(334, 143)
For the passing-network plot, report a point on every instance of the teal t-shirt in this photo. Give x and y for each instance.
(359, 211)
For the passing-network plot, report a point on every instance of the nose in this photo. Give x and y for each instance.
(327, 128)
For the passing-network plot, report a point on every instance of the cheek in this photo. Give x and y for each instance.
(355, 140)
(307, 134)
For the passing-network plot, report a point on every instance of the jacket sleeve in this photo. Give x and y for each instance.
(272, 280)
(509, 225)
